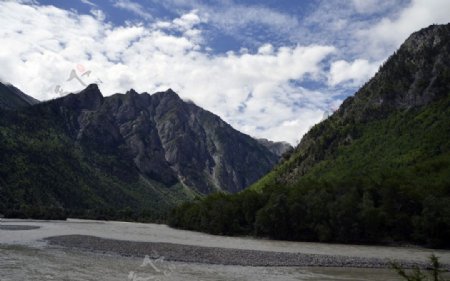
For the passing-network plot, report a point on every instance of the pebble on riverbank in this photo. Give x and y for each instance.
(224, 256)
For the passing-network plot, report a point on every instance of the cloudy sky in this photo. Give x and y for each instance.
(270, 68)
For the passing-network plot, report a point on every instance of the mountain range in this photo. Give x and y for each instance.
(122, 156)
(375, 171)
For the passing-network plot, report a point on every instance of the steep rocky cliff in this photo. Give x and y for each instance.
(126, 150)
(171, 140)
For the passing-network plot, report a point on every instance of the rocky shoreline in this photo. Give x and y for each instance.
(224, 256)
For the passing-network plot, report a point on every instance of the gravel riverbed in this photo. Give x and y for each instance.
(223, 256)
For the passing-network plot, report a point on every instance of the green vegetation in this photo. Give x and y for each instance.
(376, 171)
(389, 184)
(435, 271)
(44, 174)
(127, 157)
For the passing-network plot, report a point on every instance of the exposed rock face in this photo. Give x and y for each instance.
(120, 156)
(417, 74)
(13, 98)
(167, 139)
(278, 148)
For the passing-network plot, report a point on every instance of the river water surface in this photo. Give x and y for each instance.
(25, 256)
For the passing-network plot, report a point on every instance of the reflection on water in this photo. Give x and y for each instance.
(46, 263)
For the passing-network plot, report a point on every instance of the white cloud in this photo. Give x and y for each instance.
(356, 72)
(374, 6)
(185, 24)
(229, 15)
(255, 89)
(187, 21)
(98, 14)
(236, 16)
(251, 90)
(265, 49)
(88, 2)
(364, 6)
(240, 21)
(133, 7)
(387, 35)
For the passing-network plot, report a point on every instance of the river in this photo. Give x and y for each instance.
(24, 255)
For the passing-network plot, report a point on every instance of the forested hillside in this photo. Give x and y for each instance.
(376, 171)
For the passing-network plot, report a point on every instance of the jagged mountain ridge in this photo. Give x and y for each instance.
(155, 143)
(172, 140)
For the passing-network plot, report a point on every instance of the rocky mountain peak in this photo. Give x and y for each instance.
(166, 139)
(433, 36)
(168, 94)
(88, 99)
(415, 75)
(132, 92)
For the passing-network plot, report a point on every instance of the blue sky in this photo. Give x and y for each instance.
(270, 68)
